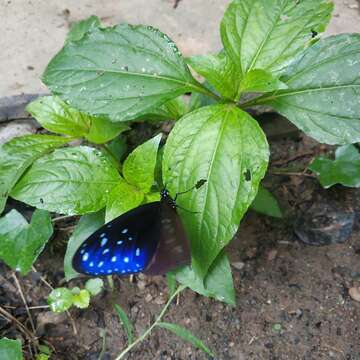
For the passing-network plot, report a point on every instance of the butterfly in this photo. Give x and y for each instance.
(149, 239)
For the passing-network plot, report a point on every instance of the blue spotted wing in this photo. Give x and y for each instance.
(149, 238)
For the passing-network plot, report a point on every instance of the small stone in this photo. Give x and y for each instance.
(148, 298)
(238, 265)
(141, 285)
(324, 224)
(159, 300)
(354, 293)
(272, 254)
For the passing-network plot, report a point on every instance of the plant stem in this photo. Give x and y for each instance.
(111, 282)
(158, 319)
(203, 90)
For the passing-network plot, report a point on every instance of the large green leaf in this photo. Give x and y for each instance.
(10, 349)
(18, 154)
(219, 71)
(266, 34)
(57, 116)
(218, 282)
(345, 169)
(185, 335)
(87, 225)
(122, 198)
(139, 166)
(323, 95)
(226, 147)
(20, 242)
(123, 72)
(69, 181)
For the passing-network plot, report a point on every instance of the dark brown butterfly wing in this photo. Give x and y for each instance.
(173, 248)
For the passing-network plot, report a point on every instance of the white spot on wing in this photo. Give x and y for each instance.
(100, 264)
(91, 264)
(85, 256)
(103, 242)
(126, 259)
(119, 242)
(113, 259)
(137, 252)
(125, 231)
(106, 251)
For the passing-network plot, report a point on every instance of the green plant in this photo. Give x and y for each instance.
(62, 299)
(105, 79)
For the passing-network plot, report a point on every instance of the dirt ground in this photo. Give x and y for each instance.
(292, 298)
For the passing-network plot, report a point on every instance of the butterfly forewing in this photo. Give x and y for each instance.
(173, 248)
(126, 245)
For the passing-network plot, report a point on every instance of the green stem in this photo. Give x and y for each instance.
(203, 90)
(111, 282)
(158, 319)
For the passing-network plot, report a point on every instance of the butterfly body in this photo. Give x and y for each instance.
(149, 239)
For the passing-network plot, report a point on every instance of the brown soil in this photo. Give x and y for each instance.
(292, 299)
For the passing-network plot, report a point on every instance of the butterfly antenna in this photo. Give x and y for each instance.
(198, 185)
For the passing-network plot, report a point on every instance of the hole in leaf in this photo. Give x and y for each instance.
(247, 175)
(313, 33)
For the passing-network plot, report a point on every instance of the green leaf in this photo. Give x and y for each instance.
(82, 299)
(44, 349)
(94, 286)
(103, 130)
(218, 283)
(139, 166)
(69, 181)
(57, 116)
(122, 71)
(79, 29)
(226, 147)
(125, 322)
(10, 349)
(87, 225)
(60, 300)
(265, 203)
(42, 357)
(18, 154)
(21, 243)
(267, 34)
(122, 198)
(219, 71)
(344, 170)
(323, 98)
(171, 282)
(186, 335)
(260, 81)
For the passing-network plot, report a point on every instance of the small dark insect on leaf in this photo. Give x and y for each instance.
(200, 183)
(247, 175)
(41, 200)
(314, 33)
(126, 68)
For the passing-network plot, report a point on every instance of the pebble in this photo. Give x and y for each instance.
(141, 284)
(354, 293)
(148, 297)
(238, 265)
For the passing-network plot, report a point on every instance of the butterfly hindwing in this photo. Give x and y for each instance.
(125, 245)
(173, 249)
